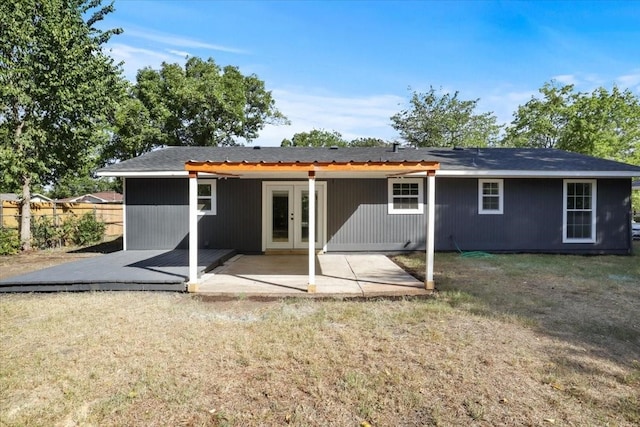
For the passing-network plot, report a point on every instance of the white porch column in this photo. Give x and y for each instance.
(311, 287)
(431, 217)
(124, 214)
(193, 232)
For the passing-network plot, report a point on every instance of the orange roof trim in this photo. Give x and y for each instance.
(229, 167)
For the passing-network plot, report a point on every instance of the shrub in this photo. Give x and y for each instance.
(44, 233)
(9, 241)
(81, 231)
(88, 230)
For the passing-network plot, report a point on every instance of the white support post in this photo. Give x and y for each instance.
(124, 214)
(311, 287)
(193, 232)
(431, 219)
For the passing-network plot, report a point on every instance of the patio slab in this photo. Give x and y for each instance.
(344, 275)
(165, 270)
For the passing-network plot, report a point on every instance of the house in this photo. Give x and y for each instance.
(13, 197)
(256, 200)
(95, 198)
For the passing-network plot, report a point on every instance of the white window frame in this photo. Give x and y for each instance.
(481, 196)
(394, 211)
(213, 184)
(593, 210)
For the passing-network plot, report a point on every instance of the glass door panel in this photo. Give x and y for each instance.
(280, 216)
(301, 215)
(304, 220)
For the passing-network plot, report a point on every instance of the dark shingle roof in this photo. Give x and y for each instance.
(468, 159)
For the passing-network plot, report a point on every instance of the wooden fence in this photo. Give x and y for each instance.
(110, 214)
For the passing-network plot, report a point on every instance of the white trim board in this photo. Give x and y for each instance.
(440, 172)
(535, 174)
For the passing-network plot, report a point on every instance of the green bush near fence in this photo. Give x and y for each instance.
(9, 241)
(81, 231)
(45, 234)
(88, 230)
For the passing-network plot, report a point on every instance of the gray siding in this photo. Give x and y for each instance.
(238, 223)
(532, 218)
(158, 215)
(358, 219)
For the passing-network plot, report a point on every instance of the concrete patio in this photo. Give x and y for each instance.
(345, 275)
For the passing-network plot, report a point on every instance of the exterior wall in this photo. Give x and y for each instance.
(238, 223)
(532, 218)
(357, 218)
(158, 215)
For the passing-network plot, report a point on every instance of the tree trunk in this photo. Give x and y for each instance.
(25, 220)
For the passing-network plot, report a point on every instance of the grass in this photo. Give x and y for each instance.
(511, 340)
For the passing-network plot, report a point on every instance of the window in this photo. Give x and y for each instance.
(207, 197)
(405, 196)
(490, 197)
(579, 216)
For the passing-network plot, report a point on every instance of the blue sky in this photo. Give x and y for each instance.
(347, 66)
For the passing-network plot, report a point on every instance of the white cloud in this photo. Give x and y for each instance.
(180, 53)
(136, 58)
(630, 81)
(566, 79)
(353, 117)
(180, 41)
(504, 103)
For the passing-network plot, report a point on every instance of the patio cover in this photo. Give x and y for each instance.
(311, 171)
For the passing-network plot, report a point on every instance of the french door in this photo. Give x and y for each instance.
(286, 215)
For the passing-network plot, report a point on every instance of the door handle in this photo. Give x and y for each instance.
(291, 217)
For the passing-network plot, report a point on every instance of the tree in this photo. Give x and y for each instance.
(136, 129)
(540, 122)
(435, 120)
(79, 185)
(201, 104)
(601, 123)
(315, 138)
(368, 142)
(605, 124)
(56, 87)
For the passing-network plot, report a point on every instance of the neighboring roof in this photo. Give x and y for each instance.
(453, 162)
(10, 197)
(40, 197)
(99, 197)
(636, 185)
(13, 197)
